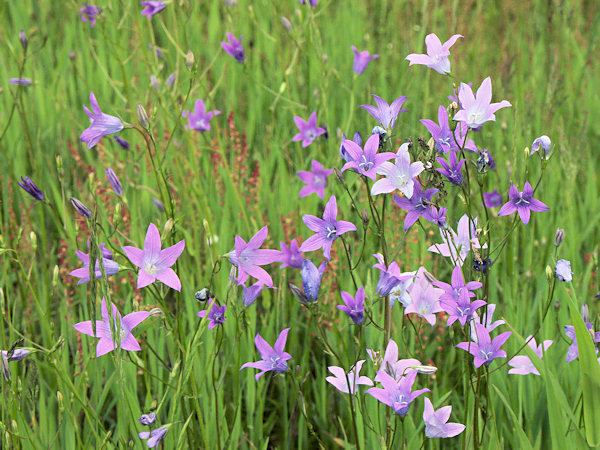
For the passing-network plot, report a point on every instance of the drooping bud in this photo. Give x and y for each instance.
(31, 188)
(154, 82)
(189, 59)
(114, 181)
(585, 312)
(142, 116)
(286, 24)
(168, 227)
(147, 419)
(23, 39)
(158, 204)
(81, 209)
(559, 237)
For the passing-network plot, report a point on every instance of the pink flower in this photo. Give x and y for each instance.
(476, 110)
(248, 257)
(437, 54)
(341, 383)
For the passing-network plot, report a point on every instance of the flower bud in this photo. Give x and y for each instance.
(147, 419)
(159, 205)
(31, 188)
(61, 401)
(168, 227)
(426, 370)
(114, 181)
(364, 215)
(286, 24)
(170, 80)
(585, 312)
(81, 209)
(189, 60)
(203, 295)
(55, 275)
(549, 273)
(23, 39)
(156, 312)
(154, 82)
(122, 142)
(33, 239)
(559, 237)
(338, 174)
(59, 166)
(142, 116)
(430, 278)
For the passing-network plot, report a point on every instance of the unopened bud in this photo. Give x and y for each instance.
(23, 39)
(298, 293)
(61, 401)
(282, 87)
(33, 239)
(170, 80)
(232, 275)
(15, 426)
(453, 109)
(189, 59)
(556, 305)
(81, 209)
(168, 227)
(585, 312)
(91, 181)
(426, 370)
(430, 278)
(338, 174)
(55, 274)
(142, 116)
(286, 23)
(549, 273)
(118, 209)
(559, 237)
(175, 371)
(156, 312)
(59, 165)
(364, 215)
(159, 205)
(72, 55)
(203, 295)
(154, 82)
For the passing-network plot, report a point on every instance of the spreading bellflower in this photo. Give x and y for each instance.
(326, 230)
(389, 277)
(343, 152)
(354, 379)
(367, 161)
(309, 131)
(11, 355)
(456, 246)
(485, 350)
(248, 257)
(147, 419)
(100, 124)
(573, 352)
(417, 206)
(492, 199)
(437, 54)
(216, 315)
(311, 279)
(354, 306)
(234, 47)
(273, 358)
(251, 293)
(89, 13)
(489, 322)
(456, 299)
(154, 437)
(522, 365)
(123, 326)
(442, 134)
(114, 181)
(398, 175)
(425, 298)
(110, 266)
(452, 169)
(31, 188)
(152, 7)
(199, 119)
(436, 425)
(563, 270)
(316, 181)
(290, 256)
(154, 263)
(384, 113)
(438, 217)
(476, 110)
(391, 365)
(361, 60)
(397, 395)
(544, 142)
(522, 202)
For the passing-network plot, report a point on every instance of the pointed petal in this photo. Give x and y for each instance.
(104, 346)
(281, 340)
(169, 255)
(258, 239)
(418, 58)
(130, 344)
(133, 319)
(330, 213)
(170, 278)
(144, 279)
(314, 223)
(152, 242)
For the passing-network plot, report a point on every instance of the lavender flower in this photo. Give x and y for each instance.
(522, 202)
(23, 39)
(453, 169)
(31, 188)
(234, 47)
(311, 279)
(492, 199)
(154, 263)
(199, 119)
(438, 217)
(114, 181)
(485, 350)
(417, 206)
(122, 142)
(20, 81)
(389, 277)
(354, 306)
(361, 60)
(216, 315)
(476, 110)
(436, 425)
(316, 181)
(399, 175)
(456, 299)
(248, 257)
(81, 209)
(384, 113)
(326, 230)
(522, 365)
(544, 142)
(104, 330)
(147, 419)
(367, 161)
(309, 131)
(348, 386)
(312, 3)
(390, 364)
(573, 352)
(442, 135)
(489, 323)
(154, 437)
(563, 270)
(290, 256)
(159, 205)
(456, 246)
(343, 152)
(110, 266)
(437, 54)
(425, 298)
(396, 395)
(100, 124)
(152, 7)
(251, 293)
(89, 13)
(11, 355)
(273, 358)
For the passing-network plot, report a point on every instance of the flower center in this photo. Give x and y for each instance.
(365, 165)
(201, 124)
(331, 232)
(522, 201)
(464, 311)
(402, 180)
(275, 361)
(311, 135)
(151, 268)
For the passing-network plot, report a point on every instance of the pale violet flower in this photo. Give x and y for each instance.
(437, 54)
(522, 365)
(398, 175)
(457, 245)
(341, 383)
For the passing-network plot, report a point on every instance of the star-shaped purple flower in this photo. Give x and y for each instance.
(522, 365)
(309, 131)
(436, 425)
(456, 299)
(101, 124)
(290, 256)
(124, 325)
(451, 169)
(398, 175)
(248, 257)
(522, 202)
(437, 54)
(234, 47)
(384, 113)
(110, 266)
(417, 206)
(390, 364)
(389, 277)
(476, 110)
(492, 199)
(425, 298)
(199, 119)
(89, 13)
(367, 161)
(154, 437)
(341, 383)
(154, 263)
(152, 7)
(397, 395)
(251, 293)
(442, 134)
(361, 60)
(485, 350)
(216, 315)
(326, 229)
(316, 181)
(573, 352)
(273, 358)
(354, 306)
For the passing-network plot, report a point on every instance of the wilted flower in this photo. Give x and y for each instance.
(522, 202)
(309, 131)
(199, 119)
(100, 124)
(476, 110)
(436, 425)
(31, 188)
(147, 419)
(340, 381)
(361, 60)
(234, 47)
(384, 113)
(563, 270)
(273, 358)
(23, 39)
(437, 54)
(16, 354)
(316, 181)
(152, 7)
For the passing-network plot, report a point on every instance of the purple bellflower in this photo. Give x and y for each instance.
(340, 382)
(80, 208)
(456, 299)
(573, 352)
(397, 395)
(234, 47)
(152, 7)
(522, 202)
(437, 54)
(316, 181)
(454, 97)
(389, 277)
(154, 263)
(398, 175)
(438, 217)
(110, 266)
(31, 188)
(100, 124)
(442, 134)
(147, 419)
(489, 323)
(199, 119)
(390, 364)
(16, 354)
(417, 206)
(309, 131)
(114, 181)
(456, 246)
(563, 270)
(477, 109)
(326, 230)
(361, 60)
(273, 358)
(216, 315)
(354, 306)
(122, 142)
(367, 161)
(89, 13)
(290, 256)
(248, 258)
(384, 113)
(485, 350)
(544, 142)
(123, 326)
(20, 81)
(251, 293)
(492, 199)
(311, 279)
(452, 169)
(425, 298)
(522, 365)
(436, 425)
(343, 152)
(154, 437)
